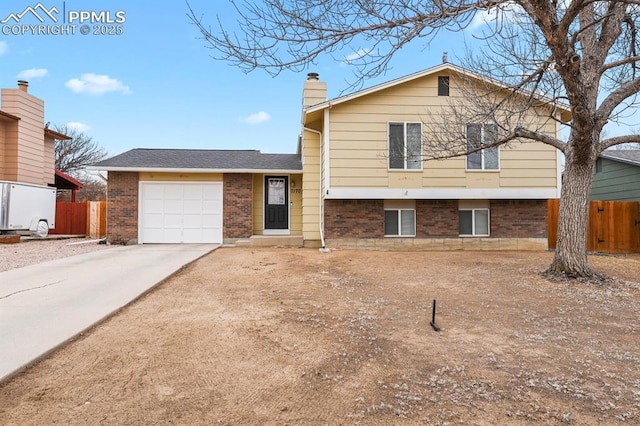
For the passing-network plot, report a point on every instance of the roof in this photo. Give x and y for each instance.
(55, 135)
(629, 156)
(9, 116)
(64, 181)
(201, 160)
(563, 108)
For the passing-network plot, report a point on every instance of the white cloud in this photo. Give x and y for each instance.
(257, 118)
(33, 73)
(78, 127)
(507, 12)
(95, 84)
(4, 47)
(355, 56)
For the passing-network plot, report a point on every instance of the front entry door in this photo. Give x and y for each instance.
(276, 202)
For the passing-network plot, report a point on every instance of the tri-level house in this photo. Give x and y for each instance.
(358, 179)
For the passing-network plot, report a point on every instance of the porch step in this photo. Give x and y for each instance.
(271, 241)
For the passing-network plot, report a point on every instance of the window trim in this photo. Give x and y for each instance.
(405, 159)
(399, 235)
(473, 222)
(482, 151)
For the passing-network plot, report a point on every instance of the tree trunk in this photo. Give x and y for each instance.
(571, 249)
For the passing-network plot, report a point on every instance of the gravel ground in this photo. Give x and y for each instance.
(32, 251)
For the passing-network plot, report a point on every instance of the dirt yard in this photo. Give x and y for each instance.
(293, 336)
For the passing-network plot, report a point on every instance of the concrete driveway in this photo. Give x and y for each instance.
(43, 306)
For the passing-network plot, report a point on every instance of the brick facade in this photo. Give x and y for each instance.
(519, 218)
(354, 218)
(122, 207)
(238, 206)
(436, 218)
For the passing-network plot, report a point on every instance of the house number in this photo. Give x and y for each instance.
(296, 191)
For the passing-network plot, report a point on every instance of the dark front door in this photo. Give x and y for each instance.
(276, 202)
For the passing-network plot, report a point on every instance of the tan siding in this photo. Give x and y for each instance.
(49, 160)
(258, 204)
(181, 177)
(358, 145)
(311, 186)
(295, 198)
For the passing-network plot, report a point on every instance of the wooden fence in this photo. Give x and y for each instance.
(87, 219)
(613, 226)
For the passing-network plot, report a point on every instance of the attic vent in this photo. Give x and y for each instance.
(443, 86)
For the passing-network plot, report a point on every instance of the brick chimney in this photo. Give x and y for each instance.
(23, 86)
(315, 91)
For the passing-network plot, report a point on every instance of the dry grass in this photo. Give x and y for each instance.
(291, 336)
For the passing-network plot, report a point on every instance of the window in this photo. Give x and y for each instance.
(474, 222)
(479, 135)
(443, 86)
(405, 146)
(400, 223)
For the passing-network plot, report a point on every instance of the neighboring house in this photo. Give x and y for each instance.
(347, 186)
(617, 176)
(27, 147)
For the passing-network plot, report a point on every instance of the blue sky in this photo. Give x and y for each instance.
(156, 86)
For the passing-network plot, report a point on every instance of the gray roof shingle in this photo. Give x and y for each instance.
(203, 159)
(630, 156)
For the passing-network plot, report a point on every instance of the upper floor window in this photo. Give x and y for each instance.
(481, 135)
(443, 86)
(405, 146)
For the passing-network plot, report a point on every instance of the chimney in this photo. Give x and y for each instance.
(315, 91)
(23, 85)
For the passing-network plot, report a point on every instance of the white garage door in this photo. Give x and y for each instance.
(180, 212)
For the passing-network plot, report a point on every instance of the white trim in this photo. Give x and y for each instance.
(179, 170)
(327, 152)
(473, 222)
(441, 193)
(482, 151)
(406, 156)
(399, 235)
(276, 232)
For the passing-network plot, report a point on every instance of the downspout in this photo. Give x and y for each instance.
(321, 206)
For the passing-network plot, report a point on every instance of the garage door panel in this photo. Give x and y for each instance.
(181, 212)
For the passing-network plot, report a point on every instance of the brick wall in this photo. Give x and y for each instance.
(436, 218)
(238, 205)
(122, 207)
(354, 218)
(519, 218)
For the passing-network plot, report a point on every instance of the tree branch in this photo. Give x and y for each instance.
(618, 140)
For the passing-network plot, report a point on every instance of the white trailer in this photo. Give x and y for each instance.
(26, 207)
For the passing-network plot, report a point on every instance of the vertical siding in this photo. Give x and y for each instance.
(29, 152)
(616, 182)
(311, 186)
(258, 204)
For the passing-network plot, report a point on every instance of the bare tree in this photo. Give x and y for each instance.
(583, 53)
(74, 154)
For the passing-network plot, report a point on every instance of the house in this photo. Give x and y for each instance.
(345, 186)
(617, 176)
(27, 150)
